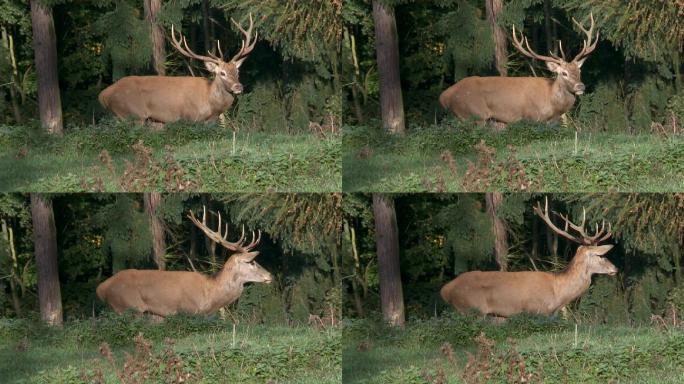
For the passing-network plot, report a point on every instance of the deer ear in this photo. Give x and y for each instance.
(601, 249)
(553, 67)
(211, 66)
(248, 257)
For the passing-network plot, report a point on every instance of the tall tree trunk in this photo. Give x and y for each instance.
(547, 26)
(494, 8)
(45, 52)
(493, 202)
(206, 15)
(8, 44)
(151, 9)
(45, 246)
(387, 52)
(152, 200)
(387, 244)
(8, 236)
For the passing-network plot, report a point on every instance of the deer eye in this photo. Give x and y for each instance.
(565, 74)
(223, 73)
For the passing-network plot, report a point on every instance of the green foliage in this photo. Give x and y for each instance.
(206, 349)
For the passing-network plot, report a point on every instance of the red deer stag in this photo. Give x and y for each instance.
(166, 99)
(510, 99)
(164, 293)
(505, 294)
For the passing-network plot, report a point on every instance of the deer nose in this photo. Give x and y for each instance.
(236, 88)
(579, 88)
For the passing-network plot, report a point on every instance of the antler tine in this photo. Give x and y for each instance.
(182, 47)
(254, 242)
(587, 45)
(528, 51)
(222, 238)
(247, 44)
(544, 215)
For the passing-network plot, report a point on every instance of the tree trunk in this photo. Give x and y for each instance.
(151, 9)
(387, 52)
(8, 44)
(493, 201)
(45, 245)
(205, 26)
(45, 52)
(547, 26)
(152, 200)
(501, 52)
(387, 244)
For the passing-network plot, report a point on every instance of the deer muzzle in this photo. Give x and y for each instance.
(236, 88)
(579, 88)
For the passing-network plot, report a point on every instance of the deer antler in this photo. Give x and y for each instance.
(247, 43)
(222, 239)
(182, 47)
(527, 51)
(587, 45)
(599, 235)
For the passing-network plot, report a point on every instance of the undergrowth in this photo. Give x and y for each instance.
(121, 156)
(113, 349)
(462, 156)
(528, 349)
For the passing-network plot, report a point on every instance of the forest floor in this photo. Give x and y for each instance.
(198, 350)
(121, 156)
(464, 157)
(456, 349)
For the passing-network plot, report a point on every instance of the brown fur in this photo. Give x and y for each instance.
(510, 99)
(164, 293)
(508, 293)
(167, 99)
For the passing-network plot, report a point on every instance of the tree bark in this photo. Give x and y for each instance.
(151, 9)
(387, 52)
(45, 52)
(45, 244)
(493, 8)
(152, 200)
(387, 245)
(493, 201)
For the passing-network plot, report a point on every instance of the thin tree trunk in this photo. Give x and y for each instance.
(494, 8)
(205, 26)
(8, 44)
(151, 9)
(358, 111)
(493, 202)
(387, 52)
(387, 244)
(152, 200)
(8, 235)
(358, 273)
(45, 248)
(547, 26)
(45, 52)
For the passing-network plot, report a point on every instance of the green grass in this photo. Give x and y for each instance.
(526, 157)
(204, 350)
(444, 350)
(181, 157)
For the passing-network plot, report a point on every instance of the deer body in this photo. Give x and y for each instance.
(508, 99)
(164, 293)
(508, 293)
(167, 98)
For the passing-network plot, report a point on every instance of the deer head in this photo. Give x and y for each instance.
(240, 266)
(568, 73)
(226, 72)
(589, 253)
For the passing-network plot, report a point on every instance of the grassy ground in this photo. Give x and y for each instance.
(120, 156)
(449, 157)
(451, 350)
(199, 350)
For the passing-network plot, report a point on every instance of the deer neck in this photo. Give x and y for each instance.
(561, 97)
(572, 282)
(219, 96)
(226, 287)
